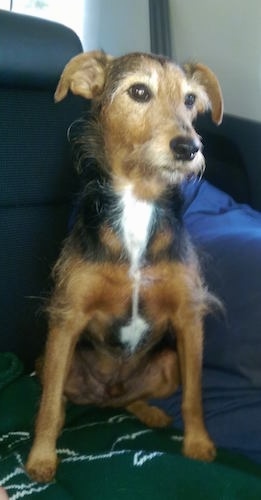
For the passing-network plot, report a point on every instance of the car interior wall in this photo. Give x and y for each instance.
(117, 27)
(226, 36)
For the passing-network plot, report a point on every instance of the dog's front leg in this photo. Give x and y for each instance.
(189, 332)
(42, 461)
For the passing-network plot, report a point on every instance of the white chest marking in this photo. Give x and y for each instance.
(136, 222)
(133, 332)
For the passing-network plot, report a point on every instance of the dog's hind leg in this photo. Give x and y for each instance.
(159, 379)
(149, 415)
(42, 462)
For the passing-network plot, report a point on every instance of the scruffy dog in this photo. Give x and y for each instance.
(126, 314)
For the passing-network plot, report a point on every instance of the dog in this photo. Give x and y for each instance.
(126, 314)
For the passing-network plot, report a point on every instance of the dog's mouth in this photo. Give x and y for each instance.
(160, 163)
(172, 164)
(178, 170)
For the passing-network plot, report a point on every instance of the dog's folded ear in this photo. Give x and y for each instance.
(84, 75)
(206, 78)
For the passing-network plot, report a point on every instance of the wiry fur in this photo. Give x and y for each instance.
(126, 314)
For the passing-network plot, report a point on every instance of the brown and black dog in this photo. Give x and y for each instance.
(126, 314)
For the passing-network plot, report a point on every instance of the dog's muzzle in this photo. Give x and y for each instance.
(184, 148)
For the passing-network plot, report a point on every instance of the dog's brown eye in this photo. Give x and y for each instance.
(190, 100)
(139, 92)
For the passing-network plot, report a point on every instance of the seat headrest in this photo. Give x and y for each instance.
(33, 51)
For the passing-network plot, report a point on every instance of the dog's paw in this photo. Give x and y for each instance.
(157, 418)
(154, 417)
(199, 448)
(42, 470)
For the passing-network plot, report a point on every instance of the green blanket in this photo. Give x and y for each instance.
(109, 455)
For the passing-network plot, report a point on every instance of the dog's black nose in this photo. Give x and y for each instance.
(184, 148)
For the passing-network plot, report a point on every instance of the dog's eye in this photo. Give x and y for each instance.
(190, 100)
(139, 92)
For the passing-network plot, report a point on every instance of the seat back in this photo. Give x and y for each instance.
(36, 174)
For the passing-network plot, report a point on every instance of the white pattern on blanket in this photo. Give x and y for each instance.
(18, 484)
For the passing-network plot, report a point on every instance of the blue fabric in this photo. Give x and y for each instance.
(228, 236)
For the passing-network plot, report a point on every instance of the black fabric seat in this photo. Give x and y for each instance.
(36, 175)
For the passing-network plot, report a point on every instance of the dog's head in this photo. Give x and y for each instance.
(146, 106)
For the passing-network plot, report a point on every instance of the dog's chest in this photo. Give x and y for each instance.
(136, 223)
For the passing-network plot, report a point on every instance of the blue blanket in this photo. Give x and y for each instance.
(228, 238)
